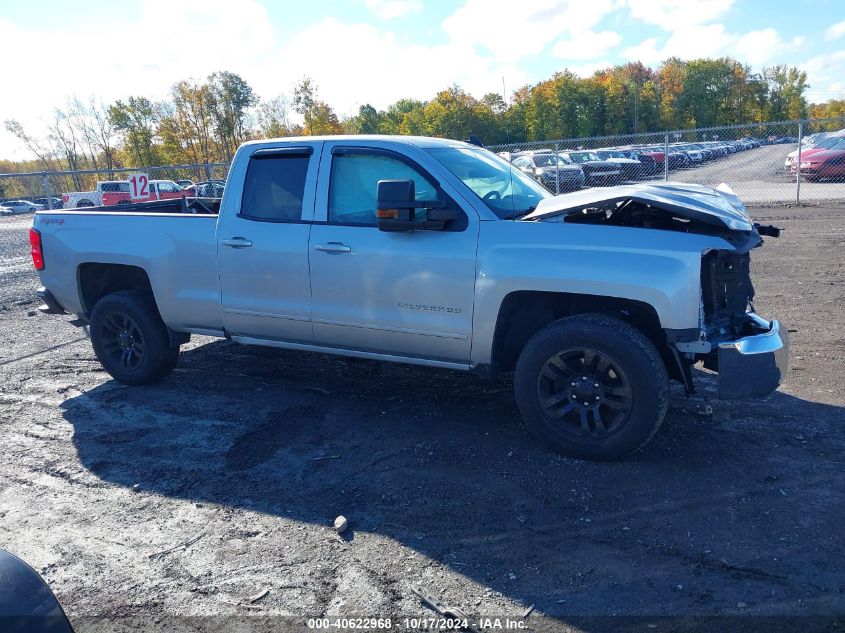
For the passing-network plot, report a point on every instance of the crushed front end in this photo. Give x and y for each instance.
(750, 353)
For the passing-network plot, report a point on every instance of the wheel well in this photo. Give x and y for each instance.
(98, 280)
(524, 313)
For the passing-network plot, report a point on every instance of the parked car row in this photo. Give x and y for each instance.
(14, 207)
(822, 157)
(572, 170)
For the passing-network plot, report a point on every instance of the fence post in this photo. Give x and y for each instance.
(46, 181)
(557, 169)
(666, 156)
(798, 169)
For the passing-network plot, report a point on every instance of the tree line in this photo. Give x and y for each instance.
(204, 121)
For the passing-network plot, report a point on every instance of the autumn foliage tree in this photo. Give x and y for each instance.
(204, 121)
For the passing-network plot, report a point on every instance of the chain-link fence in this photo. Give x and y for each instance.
(51, 189)
(787, 162)
(765, 164)
(22, 193)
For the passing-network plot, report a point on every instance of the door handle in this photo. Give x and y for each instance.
(237, 242)
(333, 247)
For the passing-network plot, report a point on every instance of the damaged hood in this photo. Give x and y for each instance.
(718, 206)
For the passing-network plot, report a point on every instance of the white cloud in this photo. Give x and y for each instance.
(760, 47)
(678, 15)
(481, 42)
(647, 51)
(167, 41)
(826, 76)
(390, 9)
(511, 34)
(587, 45)
(381, 67)
(756, 48)
(835, 31)
(587, 69)
(689, 42)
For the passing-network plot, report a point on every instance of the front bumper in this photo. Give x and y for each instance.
(566, 181)
(754, 366)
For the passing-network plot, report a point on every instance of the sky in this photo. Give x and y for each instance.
(377, 51)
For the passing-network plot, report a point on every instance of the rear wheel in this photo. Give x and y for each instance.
(130, 339)
(592, 386)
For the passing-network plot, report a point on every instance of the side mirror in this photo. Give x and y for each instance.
(396, 207)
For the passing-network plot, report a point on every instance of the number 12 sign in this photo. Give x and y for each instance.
(139, 186)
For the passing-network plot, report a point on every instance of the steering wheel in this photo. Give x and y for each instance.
(492, 195)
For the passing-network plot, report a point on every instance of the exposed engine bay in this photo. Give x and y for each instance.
(633, 213)
(680, 207)
(726, 292)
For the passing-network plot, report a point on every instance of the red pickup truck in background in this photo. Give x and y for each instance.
(159, 190)
(117, 192)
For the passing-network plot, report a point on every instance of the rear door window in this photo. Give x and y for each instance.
(168, 187)
(275, 187)
(113, 187)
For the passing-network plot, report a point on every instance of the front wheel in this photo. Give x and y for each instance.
(592, 386)
(130, 339)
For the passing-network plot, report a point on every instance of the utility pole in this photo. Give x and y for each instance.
(637, 110)
(634, 87)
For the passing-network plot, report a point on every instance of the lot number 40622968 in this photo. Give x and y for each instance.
(139, 186)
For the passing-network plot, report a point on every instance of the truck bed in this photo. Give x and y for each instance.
(204, 206)
(173, 242)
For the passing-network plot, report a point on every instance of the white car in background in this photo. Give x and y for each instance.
(13, 207)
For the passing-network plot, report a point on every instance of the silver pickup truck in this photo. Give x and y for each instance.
(433, 252)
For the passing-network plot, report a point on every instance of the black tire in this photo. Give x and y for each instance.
(84, 203)
(130, 339)
(592, 386)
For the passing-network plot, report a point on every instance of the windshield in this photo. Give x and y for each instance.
(827, 143)
(611, 153)
(583, 157)
(547, 160)
(506, 191)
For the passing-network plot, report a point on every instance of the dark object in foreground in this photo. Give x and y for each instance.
(26, 602)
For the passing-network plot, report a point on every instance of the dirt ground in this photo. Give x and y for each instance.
(213, 492)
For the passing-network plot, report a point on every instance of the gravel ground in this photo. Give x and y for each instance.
(194, 496)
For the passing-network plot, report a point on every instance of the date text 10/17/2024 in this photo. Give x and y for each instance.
(428, 624)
